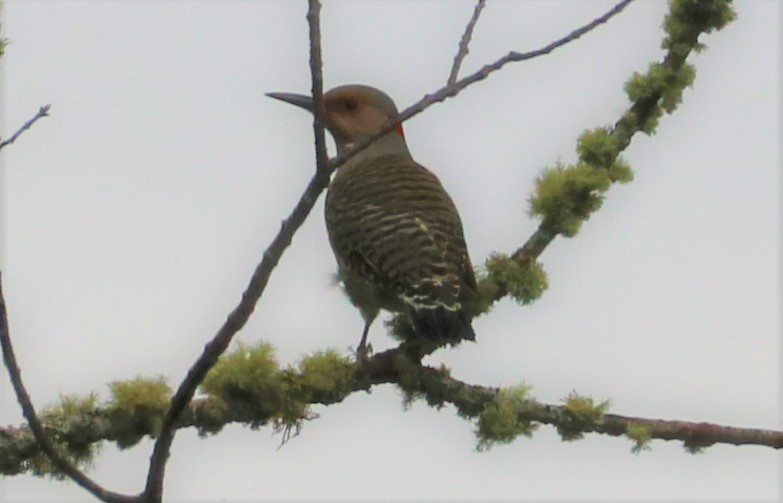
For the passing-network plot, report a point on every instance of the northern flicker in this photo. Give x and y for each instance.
(395, 232)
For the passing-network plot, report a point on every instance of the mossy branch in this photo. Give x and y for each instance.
(566, 195)
(249, 387)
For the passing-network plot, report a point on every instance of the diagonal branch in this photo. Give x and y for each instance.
(316, 66)
(234, 322)
(239, 316)
(632, 122)
(462, 52)
(450, 91)
(58, 460)
(42, 112)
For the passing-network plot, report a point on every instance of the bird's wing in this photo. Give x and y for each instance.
(395, 224)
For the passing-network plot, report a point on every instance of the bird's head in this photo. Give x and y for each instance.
(352, 113)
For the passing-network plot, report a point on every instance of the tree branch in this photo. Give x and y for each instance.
(437, 386)
(452, 90)
(394, 366)
(42, 112)
(317, 89)
(9, 358)
(462, 51)
(636, 119)
(239, 316)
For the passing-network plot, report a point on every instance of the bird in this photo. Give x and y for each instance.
(396, 233)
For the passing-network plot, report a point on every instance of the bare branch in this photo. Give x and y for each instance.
(239, 316)
(693, 435)
(316, 66)
(9, 358)
(464, 42)
(42, 112)
(452, 90)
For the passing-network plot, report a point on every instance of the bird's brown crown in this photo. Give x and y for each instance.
(355, 112)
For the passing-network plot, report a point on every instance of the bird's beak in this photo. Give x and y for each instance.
(299, 100)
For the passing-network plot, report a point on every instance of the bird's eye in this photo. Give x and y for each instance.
(350, 105)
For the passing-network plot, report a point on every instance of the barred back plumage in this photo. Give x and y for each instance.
(399, 244)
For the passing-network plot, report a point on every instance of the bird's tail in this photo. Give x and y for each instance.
(441, 324)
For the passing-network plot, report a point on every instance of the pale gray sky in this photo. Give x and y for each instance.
(136, 213)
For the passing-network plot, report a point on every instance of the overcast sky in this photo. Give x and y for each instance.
(135, 214)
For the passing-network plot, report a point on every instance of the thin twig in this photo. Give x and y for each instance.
(393, 366)
(462, 52)
(316, 68)
(62, 464)
(239, 316)
(42, 112)
(454, 89)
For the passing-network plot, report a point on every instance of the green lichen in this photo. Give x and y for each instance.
(136, 408)
(697, 441)
(597, 147)
(648, 85)
(64, 425)
(689, 18)
(39, 465)
(487, 292)
(69, 408)
(641, 436)
(247, 378)
(662, 84)
(325, 376)
(676, 84)
(210, 416)
(661, 88)
(500, 422)
(524, 282)
(579, 415)
(694, 449)
(565, 196)
(140, 394)
(620, 171)
(290, 408)
(418, 385)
